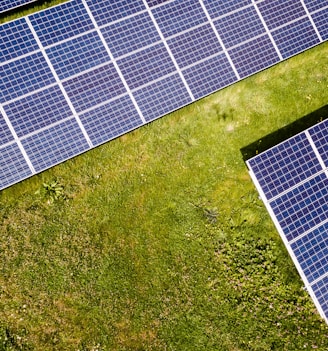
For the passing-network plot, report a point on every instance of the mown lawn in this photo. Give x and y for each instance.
(158, 240)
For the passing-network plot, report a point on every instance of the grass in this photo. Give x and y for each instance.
(158, 240)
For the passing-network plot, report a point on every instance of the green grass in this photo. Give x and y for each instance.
(159, 240)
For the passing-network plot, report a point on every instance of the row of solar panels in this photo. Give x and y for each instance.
(7, 5)
(81, 73)
(292, 179)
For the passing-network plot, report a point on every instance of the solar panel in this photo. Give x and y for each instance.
(292, 179)
(7, 5)
(78, 74)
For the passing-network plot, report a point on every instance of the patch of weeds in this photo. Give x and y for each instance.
(11, 340)
(53, 191)
(210, 214)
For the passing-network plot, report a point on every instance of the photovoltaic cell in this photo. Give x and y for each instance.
(194, 45)
(320, 20)
(218, 8)
(13, 166)
(162, 97)
(5, 133)
(77, 55)
(37, 111)
(145, 66)
(295, 37)
(313, 5)
(111, 120)
(254, 56)
(16, 39)
(152, 3)
(55, 144)
(94, 87)
(107, 11)
(179, 15)
(7, 5)
(24, 76)
(61, 22)
(209, 75)
(320, 290)
(319, 135)
(130, 34)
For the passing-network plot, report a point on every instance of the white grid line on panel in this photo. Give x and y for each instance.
(114, 61)
(311, 20)
(169, 51)
(19, 144)
(219, 39)
(267, 30)
(85, 134)
(315, 150)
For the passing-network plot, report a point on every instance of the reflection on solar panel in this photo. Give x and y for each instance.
(6, 5)
(292, 179)
(81, 73)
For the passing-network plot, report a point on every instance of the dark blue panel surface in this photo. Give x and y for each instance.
(130, 34)
(94, 87)
(285, 165)
(152, 3)
(111, 120)
(194, 45)
(179, 15)
(302, 208)
(23, 76)
(13, 166)
(239, 26)
(320, 290)
(320, 20)
(313, 5)
(107, 11)
(295, 37)
(279, 12)
(217, 8)
(16, 39)
(254, 56)
(210, 75)
(54, 145)
(145, 66)
(162, 97)
(6, 5)
(311, 252)
(61, 22)
(319, 135)
(37, 111)
(5, 133)
(78, 55)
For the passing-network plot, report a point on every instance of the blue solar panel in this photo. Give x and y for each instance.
(130, 34)
(111, 120)
(162, 97)
(111, 66)
(295, 37)
(194, 45)
(55, 144)
(94, 87)
(77, 55)
(293, 182)
(37, 111)
(7, 5)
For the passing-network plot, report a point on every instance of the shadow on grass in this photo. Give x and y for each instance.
(284, 133)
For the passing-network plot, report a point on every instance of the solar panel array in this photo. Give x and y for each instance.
(7, 5)
(81, 73)
(292, 179)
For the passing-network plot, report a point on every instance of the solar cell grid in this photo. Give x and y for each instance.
(130, 34)
(285, 165)
(311, 252)
(7, 5)
(319, 135)
(16, 39)
(37, 111)
(239, 26)
(313, 5)
(77, 55)
(179, 15)
(23, 76)
(5, 133)
(94, 87)
(110, 120)
(320, 20)
(295, 37)
(218, 8)
(162, 97)
(320, 290)
(194, 45)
